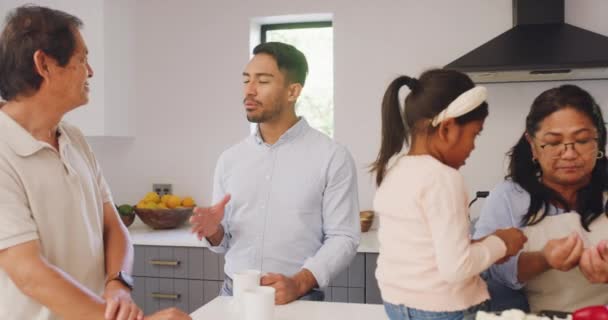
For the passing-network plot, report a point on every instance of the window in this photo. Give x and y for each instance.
(315, 40)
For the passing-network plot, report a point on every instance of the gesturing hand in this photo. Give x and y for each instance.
(206, 221)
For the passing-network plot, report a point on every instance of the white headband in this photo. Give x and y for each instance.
(465, 102)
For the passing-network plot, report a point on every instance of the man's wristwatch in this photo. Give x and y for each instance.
(123, 278)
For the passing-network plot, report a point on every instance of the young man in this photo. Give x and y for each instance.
(64, 253)
(287, 195)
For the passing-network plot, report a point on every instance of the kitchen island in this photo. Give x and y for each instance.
(173, 268)
(222, 308)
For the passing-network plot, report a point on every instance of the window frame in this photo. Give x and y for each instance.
(292, 25)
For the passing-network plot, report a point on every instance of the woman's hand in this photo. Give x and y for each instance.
(564, 254)
(594, 263)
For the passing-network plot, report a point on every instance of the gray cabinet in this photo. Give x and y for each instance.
(372, 292)
(180, 277)
(349, 285)
(356, 284)
(188, 278)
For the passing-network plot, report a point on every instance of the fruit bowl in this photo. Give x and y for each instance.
(163, 218)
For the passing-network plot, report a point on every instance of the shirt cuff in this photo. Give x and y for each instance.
(220, 247)
(497, 247)
(318, 270)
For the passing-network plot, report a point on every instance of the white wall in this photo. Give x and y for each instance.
(108, 32)
(91, 13)
(190, 54)
(119, 55)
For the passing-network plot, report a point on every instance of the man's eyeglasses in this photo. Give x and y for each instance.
(582, 147)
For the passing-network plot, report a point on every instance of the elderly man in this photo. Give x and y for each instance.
(63, 250)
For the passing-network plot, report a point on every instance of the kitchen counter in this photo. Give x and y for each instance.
(369, 242)
(146, 236)
(222, 308)
(181, 237)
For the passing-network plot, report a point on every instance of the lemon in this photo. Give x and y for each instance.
(152, 197)
(188, 202)
(165, 198)
(141, 204)
(174, 202)
(162, 206)
(151, 205)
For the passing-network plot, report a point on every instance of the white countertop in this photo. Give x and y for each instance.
(369, 242)
(222, 308)
(181, 237)
(146, 236)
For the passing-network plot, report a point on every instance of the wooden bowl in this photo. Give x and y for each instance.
(163, 218)
(367, 219)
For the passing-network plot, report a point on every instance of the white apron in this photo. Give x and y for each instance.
(557, 290)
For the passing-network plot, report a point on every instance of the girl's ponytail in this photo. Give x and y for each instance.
(395, 131)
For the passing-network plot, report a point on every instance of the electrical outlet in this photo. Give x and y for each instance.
(162, 188)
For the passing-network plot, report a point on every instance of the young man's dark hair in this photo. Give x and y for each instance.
(29, 29)
(289, 59)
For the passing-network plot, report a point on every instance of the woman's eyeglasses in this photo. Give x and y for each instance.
(581, 146)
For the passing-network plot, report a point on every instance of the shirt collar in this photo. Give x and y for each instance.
(19, 139)
(289, 135)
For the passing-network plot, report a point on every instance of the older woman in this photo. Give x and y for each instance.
(556, 191)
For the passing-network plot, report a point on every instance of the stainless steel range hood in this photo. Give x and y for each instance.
(540, 47)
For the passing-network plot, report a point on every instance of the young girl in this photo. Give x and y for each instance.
(428, 267)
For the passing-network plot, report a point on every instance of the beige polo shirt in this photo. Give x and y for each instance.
(57, 198)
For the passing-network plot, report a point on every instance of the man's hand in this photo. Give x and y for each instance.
(564, 254)
(119, 305)
(168, 314)
(289, 289)
(286, 288)
(206, 221)
(594, 263)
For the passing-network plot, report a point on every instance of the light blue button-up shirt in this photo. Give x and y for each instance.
(506, 206)
(294, 204)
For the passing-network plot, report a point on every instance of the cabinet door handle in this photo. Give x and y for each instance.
(165, 263)
(167, 296)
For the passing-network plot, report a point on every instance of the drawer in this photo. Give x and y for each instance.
(158, 261)
(202, 291)
(154, 294)
(178, 262)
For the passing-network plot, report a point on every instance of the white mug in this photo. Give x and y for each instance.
(244, 280)
(259, 303)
